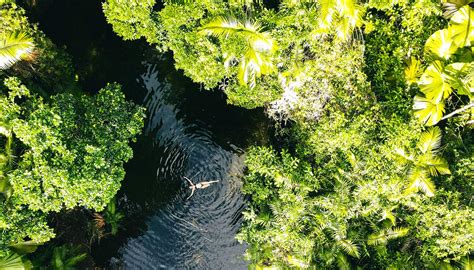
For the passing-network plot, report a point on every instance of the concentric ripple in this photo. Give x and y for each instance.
(187, 233)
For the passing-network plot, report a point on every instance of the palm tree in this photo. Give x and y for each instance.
(14, 47)
(425, 163)
(260, 46)
(341, 15)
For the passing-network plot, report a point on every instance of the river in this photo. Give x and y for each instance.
(188, 132)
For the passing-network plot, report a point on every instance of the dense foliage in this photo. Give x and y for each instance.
(58, 151)
(357, 180)
(372, 99)
(60, 154)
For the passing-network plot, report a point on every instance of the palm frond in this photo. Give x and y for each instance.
(403, 157)
(419, 181)
(452, 6)
(435, 165)
(413, 70)
(461, 77)
(342, 262)
(382, 237)
(348, 247)
(461, 26)
(430, 140)
(467, 263)
(433, 83)
(224, 27)
(13, 261)
(13, 48)
(341, 15)
(429, 112)
(441, 44)
(256, 61)
(253, 65)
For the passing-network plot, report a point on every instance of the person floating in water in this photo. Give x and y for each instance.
(200, 185)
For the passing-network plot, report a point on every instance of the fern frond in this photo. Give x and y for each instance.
(13, 48)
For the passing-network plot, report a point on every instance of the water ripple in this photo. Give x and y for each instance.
(194, 233)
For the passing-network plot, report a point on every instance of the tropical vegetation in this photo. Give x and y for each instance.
(372, 161)
(60, 149)
(373, 106)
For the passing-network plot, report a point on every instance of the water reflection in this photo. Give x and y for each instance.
(198, 232)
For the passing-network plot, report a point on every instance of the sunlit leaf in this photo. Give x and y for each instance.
(433, 84)
(13, 261)
(461, 26)
(430, 140)
(441, 44)
(429, 112)
(413, 70)
(460, 77)
(450, 7)
(382, 237)
(419, 181)
(434, 165)
(13, 48)
(257, 60)
(349, 248)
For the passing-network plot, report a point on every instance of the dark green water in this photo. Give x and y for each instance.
(188, 132)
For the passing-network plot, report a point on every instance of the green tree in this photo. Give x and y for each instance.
(68, 152)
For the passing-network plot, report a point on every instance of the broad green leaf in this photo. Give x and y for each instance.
(13, 48)
(25, 247)
(460, 77)
(433, 84)
(441, 44)
(461, 26)
(429, 112)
